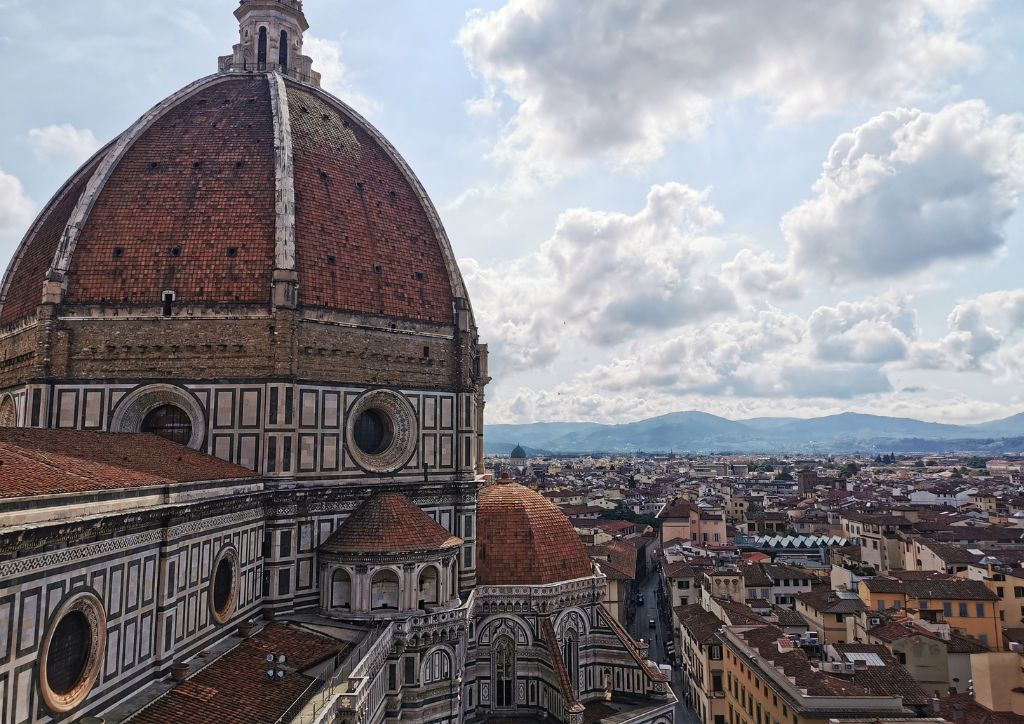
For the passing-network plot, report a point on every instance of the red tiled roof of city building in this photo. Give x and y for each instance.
(47, 462)
(388, 523)
(522, 538)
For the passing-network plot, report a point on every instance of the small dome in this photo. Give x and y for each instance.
(518, 453)
(388, 523)
(522, 538)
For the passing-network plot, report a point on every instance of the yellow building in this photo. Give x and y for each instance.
(1008, 585)
(700, 646)
(967, 606)
(768, 681)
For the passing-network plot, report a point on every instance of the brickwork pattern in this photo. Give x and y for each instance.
(189, 208)
(522, 538)
(364, 242)
(26, 285)
(388, 523)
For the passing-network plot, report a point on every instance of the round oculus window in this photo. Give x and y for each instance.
(372, 431)
(224, 585)
(381, 431)
(71, 652)
(169, 422)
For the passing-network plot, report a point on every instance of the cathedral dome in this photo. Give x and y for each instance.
(252, 187)
(522, 538)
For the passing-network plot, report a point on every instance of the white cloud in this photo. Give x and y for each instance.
(981, 332)
(876, 331)
(63, 142)
(16, 208)
(907, 189)
(334, 75)
(619, 80)
(604, 277)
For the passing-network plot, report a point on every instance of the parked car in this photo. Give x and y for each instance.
(651, 623)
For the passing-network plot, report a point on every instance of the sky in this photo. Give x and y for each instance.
(793, 208)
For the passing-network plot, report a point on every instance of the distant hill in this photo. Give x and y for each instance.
(700, 432)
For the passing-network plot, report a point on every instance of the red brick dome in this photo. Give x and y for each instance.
(522, 538)
(240, 183)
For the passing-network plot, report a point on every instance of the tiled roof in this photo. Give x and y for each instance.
(28, 271)
(702, 625)
(47, 462)
(235, 688)
(795, 664)
(827, 601)
(190, 206)
(388, 523)
(522, 538)
(354, 203)
(963, 709)
(953, 587)
(890, 679)
(199, 180)
(676, 509)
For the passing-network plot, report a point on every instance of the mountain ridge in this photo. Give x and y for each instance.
(695, 431)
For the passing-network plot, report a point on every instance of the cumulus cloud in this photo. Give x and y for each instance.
(980, 328)
(619, 80)
(334, 75)
(907, 189)
(16, 208)
(875, 331)
(63, 142)
(604, 277)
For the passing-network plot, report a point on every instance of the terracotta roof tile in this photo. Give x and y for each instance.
(47, 462)
(354, 204)
(199, 181)
(388, 523)
(523, 538)
(235, 688)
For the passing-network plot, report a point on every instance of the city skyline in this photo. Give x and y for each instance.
(824, 220)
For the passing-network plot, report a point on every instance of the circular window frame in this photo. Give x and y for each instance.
(229, 554)
(133, 408)
(401, 418)
(89, 605)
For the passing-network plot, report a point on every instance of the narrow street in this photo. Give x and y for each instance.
(640, 628)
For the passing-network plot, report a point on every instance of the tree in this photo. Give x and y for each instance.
(919, 463)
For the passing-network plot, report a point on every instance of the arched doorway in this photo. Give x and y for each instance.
(341, 589)
(384, 590)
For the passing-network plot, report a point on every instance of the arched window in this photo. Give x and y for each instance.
(384, 590)
(437, 667)
(261, 50)
(429, 586)
(170, 422)
(453, 581)
(282, 56)
(571, 659)
(504, 666)
(341, 589)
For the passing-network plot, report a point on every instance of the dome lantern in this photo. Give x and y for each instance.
(270, 38)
